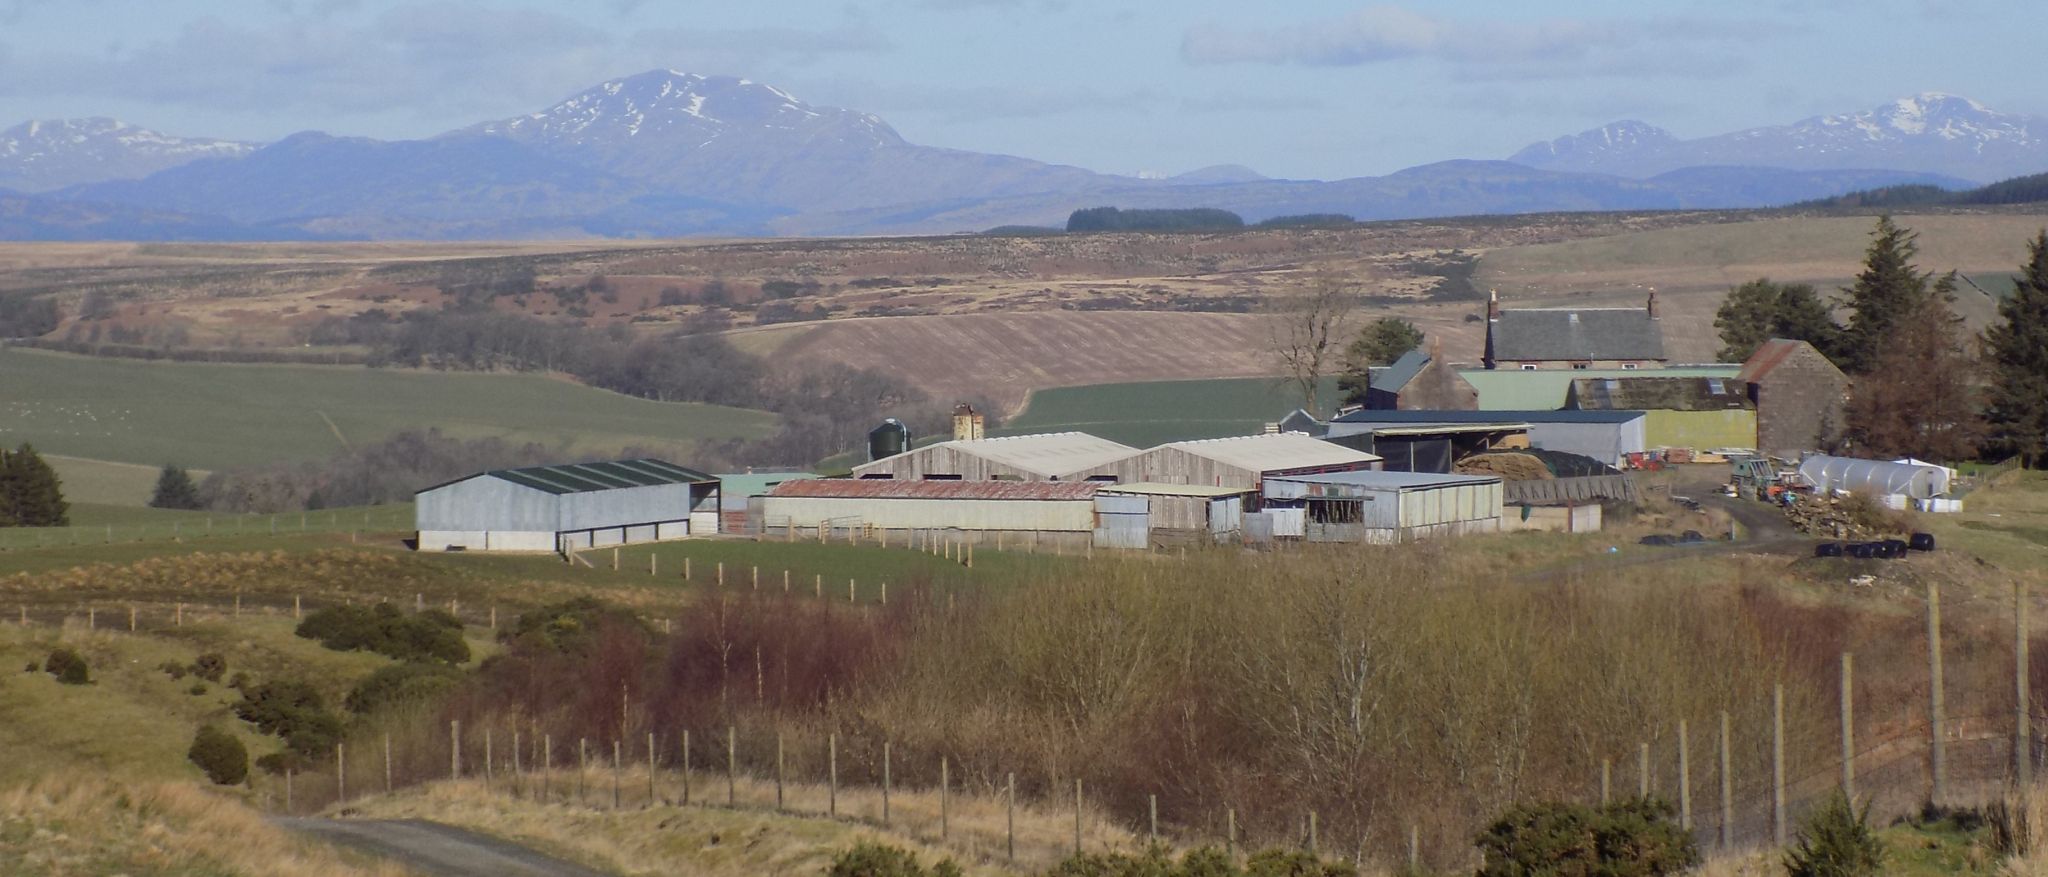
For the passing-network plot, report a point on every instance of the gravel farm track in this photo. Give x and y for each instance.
(437, 850)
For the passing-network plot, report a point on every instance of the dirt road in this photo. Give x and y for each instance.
(438, 850)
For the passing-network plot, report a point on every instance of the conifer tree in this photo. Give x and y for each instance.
(1761, 310)
(175, 490)
(31, 495)
(1888, 288)
(2017, 352)
(1919, 397)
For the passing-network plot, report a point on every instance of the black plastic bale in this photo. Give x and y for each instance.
(1921, 542)
(1862, 551)
(1894, 548)
(1828, 549)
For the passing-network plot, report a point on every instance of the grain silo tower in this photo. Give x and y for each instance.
(888, 440)
(968, 424)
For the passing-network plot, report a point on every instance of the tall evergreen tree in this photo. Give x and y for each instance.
(1760, 310)
(1888, 288)
(31, 495)
(175, 490)
(1380, 343)
(2017, 350)
(1920, 396)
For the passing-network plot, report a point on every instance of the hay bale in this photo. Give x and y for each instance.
(1509, 466)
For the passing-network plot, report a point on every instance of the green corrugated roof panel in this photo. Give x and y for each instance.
(583, 477)
(1544, 390)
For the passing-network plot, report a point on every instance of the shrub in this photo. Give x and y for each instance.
(294, 712)
(218, 753)
(569, 626)
(210, 666)
(432, 635)
(881, 860)
(1201, 862)
(1835, 841)
(1632, 838)
(1294, 863)
(197, 689)
(67, 666)
(172, 669)
(401, 683)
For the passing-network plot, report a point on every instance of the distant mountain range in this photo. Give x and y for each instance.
(1930, 133)
(669, 153)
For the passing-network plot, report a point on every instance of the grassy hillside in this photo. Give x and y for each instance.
(1147, 413)
(218, 416)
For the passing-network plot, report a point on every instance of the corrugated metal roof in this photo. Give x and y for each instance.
(585, 477)
(1155, 488)
(1550, 334)
(1273, 452)
(1502, 418)
(1770, 355)
(889, 488)
(744, 484)
(1391, 480)
(1517, 390)
(1048, 454)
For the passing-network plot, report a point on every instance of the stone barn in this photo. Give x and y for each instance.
(1799, 397)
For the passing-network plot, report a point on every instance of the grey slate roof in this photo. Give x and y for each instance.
(1401, 372)
(1549, 334)
(584, 477)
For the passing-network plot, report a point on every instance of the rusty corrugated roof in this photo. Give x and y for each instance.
(889, 488)
(1768, 356)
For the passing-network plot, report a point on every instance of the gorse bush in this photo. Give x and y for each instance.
(1835, 841)
(881, 860)
(294, 712)
(1633, 838)
(217, 752)
(1157, 861)
(210, 666)
(570, 626)
(431, 635)
(68, 666)
(400, 684)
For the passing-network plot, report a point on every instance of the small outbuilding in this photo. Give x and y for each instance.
(1420, 381)
(1607, 436)
(1800, 397)
(1149, 514)
(1053, 456)
(1388, 507)
(1240, 462)
(567, 508)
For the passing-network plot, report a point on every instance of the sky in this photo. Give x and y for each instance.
(1321, 89)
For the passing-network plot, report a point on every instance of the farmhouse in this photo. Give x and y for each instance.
(1052, 456)
(1535, 339)
(1799, 396)
(1037, 510)
(1387, 507)
(1683, 412)
(1607, 436)
(564, 508)
(1241, 462)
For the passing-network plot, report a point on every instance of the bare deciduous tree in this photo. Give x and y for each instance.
(1306, 332)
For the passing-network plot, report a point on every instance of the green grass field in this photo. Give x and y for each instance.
(218, 416)
(1153, 412)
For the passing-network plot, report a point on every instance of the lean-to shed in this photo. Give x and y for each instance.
(568, 507)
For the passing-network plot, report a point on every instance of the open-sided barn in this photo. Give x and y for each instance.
(1386, 507)
(565, 508)
(1045, 509)
(1142, 515)
(1607, 436)
(1242, 461)
(1051, 456)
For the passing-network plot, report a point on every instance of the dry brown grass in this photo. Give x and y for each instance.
(753, 839)
(83, 823)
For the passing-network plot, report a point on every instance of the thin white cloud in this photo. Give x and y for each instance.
(1386, 33)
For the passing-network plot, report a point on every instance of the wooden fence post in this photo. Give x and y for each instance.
(757, 577)
(650, 769)
(582, 767)
(1311, 832)
(785, 581)
(1937, 747)
(295, 606)
(1684, 778)
(721, 574)
(1152, 807)
(340, 775)
(1778, 764)
(1077, 816)
(488, 758)
(1606, 781)
(686, 767)
(387, 764)
(1414, 848)
(618, 762)
(1230, 830)
(455, 749)
(732, 765)
(1643, 770)
(945, 789)
(2023, 734)
(1849, 727)
(885, 782)
(686, 567)
(1727, 788)
(778, 771)
(547, 764)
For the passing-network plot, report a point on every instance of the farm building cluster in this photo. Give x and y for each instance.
(1563, 404)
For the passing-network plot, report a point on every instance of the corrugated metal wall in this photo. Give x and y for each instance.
(1731, 428)
(1124, 521)
(626, 505)
(948, 461)
(958, 514)
(485, 503)
(1172, 466)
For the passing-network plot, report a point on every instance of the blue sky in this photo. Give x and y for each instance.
(1307, 88)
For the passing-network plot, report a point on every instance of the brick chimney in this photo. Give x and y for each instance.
(1652, 307)
(1493, 305)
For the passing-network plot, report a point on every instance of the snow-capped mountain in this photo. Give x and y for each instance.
(43, 155)
(746, 142)
(1930, 133)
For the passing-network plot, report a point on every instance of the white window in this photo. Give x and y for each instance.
(1628, 366)
(1528, 366)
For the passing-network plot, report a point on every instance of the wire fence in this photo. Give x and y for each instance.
(199, 526)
